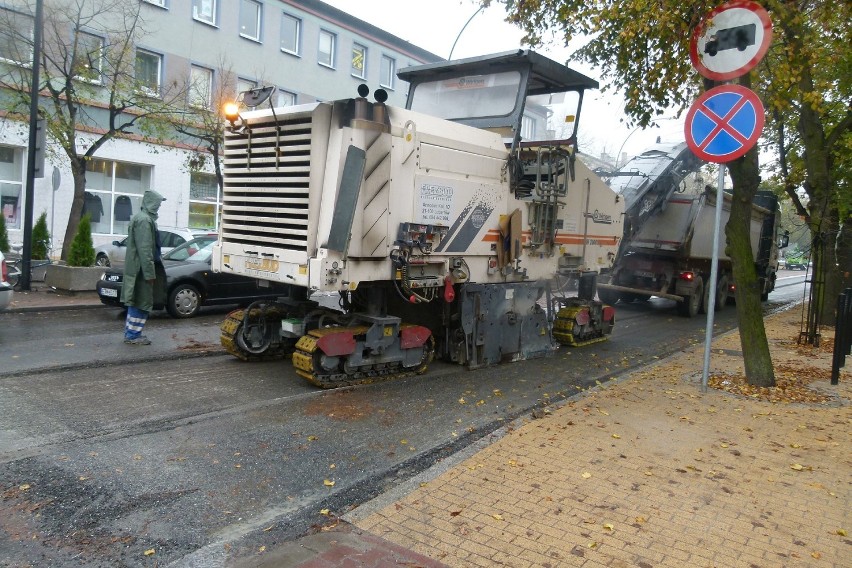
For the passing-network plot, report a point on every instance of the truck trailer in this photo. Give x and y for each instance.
(441, 230)
(667, 248)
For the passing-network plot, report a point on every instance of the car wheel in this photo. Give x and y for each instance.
(102, 260)
(184, 301)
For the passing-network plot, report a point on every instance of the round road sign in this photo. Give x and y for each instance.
(724, 123)
(731, 40)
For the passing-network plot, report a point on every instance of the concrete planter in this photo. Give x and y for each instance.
(72, 278)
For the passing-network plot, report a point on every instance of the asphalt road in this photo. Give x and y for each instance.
(108, 451)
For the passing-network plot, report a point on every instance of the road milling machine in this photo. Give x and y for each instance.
(446, 228)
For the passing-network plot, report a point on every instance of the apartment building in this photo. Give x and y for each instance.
(308, 50)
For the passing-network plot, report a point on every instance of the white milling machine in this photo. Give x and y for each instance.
(444, 232)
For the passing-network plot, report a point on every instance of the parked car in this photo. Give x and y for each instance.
(796, 264)
(170, 237)
(191, 283)
(5, 288)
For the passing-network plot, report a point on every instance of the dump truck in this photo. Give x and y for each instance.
(440, 230)
(667, 249)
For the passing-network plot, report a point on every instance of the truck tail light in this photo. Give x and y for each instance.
(688, 276)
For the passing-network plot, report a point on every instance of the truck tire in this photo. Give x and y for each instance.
(721, 295)
(608, 297)
(691, 304)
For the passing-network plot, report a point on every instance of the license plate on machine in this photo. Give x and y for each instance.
(109, 292)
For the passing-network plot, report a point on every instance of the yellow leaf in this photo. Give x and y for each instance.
(616, 436)
(795, 445)
(608, 526)
(331, 466)
(324, 512)
(641, 519)
(592, 544)
(238, 466)
(462, 401)
(840, 532)
(312, 438)
(269, 528)
(149, 552)
(497, 516)
(403, 441)
(24, 487)
(723, 445)
(262, 549)
(816, 555)
(649, 473)
(604, 412)
(83, 478)
(797, 467)
(328, 483)
(586, 475)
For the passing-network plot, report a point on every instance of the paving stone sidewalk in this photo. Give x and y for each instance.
(648, 471)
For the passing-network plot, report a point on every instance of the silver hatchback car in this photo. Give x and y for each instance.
(170, 237)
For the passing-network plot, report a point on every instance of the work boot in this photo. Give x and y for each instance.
(141, 340)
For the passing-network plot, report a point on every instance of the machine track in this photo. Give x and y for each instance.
(574, 327)
(264, 348)
(312, 364)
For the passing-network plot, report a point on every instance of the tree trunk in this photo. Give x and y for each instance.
(755, 346)
(78, 171)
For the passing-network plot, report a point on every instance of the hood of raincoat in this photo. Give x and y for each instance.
(151, 202)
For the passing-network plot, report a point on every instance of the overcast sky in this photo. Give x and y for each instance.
(434, 26)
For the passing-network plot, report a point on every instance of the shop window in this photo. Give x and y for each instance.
(11, 194)
(114, 194)
(205, 199)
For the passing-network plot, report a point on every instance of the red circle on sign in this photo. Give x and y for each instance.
(760, 13)
(706, 149)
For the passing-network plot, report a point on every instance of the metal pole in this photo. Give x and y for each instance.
(714, 276)
(29, 191)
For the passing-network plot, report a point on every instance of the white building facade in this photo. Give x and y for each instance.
(308, 50)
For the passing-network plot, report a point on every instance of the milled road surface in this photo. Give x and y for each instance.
(205, 457)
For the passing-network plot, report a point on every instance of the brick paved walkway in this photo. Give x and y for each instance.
(649, 472)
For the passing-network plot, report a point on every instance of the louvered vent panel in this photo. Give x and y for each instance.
(266, 195)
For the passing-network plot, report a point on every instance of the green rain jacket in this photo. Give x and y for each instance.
(142, 259)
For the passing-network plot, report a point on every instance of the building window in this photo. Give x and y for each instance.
(359, 60)
(387, 72)
(251, 19)
(160, 3)
(528, 130)
(88, 62)
(205, 200)
(204, 11)
(200, 86)
(148, 72)
(244, 85)
(291, 32)
(114, 194)
(16, 37)
(11, 176)
(325, 54)
(285, 98)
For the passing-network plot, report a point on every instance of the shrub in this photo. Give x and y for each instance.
(4, 235)
(82, 252)
(41, 238)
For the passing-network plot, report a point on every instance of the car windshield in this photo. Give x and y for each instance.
(196, 250)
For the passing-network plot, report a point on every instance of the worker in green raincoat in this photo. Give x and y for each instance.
(144, 276)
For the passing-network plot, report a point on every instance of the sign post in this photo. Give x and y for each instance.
(726, 121)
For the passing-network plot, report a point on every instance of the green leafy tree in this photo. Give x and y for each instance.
(41, 238)
(88, 86)
(805, 81)
(82, 249)
(4, 235)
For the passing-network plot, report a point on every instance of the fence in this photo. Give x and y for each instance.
(842, 334)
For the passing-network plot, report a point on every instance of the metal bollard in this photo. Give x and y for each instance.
(842, 334)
